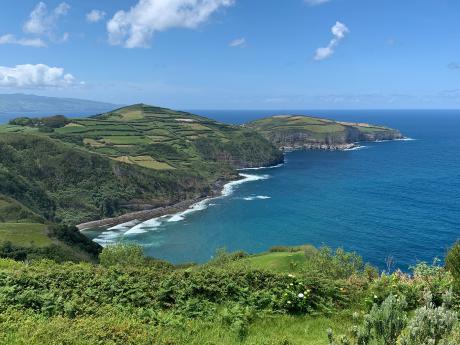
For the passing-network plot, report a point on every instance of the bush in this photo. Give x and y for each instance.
(453, 262)
(334, 265)
(382, 325)
(125, 254)
(73, 237)
(431, 324)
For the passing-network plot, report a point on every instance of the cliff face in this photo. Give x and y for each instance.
(302, 132)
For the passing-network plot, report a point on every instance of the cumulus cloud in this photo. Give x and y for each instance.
(238, 42)
(136, 27)
(35, 76)
(95, 16)
(44, 22)
(28, 42)
(316, 2)
(339, 31)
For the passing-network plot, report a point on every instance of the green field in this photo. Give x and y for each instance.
(24, 234)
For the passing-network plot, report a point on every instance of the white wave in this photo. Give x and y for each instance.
(123, 226)
(199, 206)
(406, 139)
(356, 148)
(257, 197)
(260, 168)
(108, 237)
(143, 227)
(230, 187)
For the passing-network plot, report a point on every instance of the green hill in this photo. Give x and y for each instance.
(296, 132)
(133, 158)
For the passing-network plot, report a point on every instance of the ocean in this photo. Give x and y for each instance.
(395, 201)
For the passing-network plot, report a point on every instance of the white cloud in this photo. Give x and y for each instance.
(44, 22)
(95, 16)
(35, 76)
(238, 42)
(316, 2)
(29, 42)
(339, 31)
(136, 27)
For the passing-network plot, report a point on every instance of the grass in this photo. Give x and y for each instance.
(145, 161)
(19, 327)
(283, 262)
(25, 234)
(126, 140)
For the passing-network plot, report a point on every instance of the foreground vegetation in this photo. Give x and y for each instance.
(332, 298)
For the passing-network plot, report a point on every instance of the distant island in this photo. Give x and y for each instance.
(18, 104)
(141, 161)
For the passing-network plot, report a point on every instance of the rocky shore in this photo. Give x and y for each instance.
(320, 146)
(145, 214)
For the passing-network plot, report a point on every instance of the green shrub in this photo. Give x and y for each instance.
(337, 264)
(453, 262)
(431, 324)
(124, 254)
(73, 237)
(382, 326)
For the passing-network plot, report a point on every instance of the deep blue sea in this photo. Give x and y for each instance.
(398, 199)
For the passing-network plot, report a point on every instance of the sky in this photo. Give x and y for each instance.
(235, 54)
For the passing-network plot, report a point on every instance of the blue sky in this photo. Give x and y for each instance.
(235, 54)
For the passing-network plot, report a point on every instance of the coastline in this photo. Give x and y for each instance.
(224, 188)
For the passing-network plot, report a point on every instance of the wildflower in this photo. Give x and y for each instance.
(375, 297)
(301, 295)
(291, 284)
(291, 276)
(289, 302)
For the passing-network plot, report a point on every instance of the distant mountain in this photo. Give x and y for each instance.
(14, 105)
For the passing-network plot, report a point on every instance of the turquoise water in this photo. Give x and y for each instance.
(396, 199)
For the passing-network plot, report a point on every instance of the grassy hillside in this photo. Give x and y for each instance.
(137, 157)
(234, 299)
(164, 139)
(293, 131)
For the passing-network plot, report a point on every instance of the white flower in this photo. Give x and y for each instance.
(375, 296)
(289, 302)
(301, 295)
(291, 275)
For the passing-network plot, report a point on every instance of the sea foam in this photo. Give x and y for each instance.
(230, 187)
(356, 148)
(151, 224)
(260, 168)
(257, 197)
